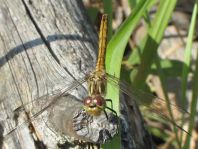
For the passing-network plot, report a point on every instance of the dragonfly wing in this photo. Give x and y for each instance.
(41, 104)
(57, 112)
(152, 103)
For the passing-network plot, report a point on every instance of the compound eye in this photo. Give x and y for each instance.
(87, 101)
(98, 100)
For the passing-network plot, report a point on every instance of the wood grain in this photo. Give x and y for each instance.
(44, 47)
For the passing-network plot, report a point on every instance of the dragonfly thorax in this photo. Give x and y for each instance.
(97, 83)
(94, 104)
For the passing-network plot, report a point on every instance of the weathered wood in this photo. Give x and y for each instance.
(45, 45)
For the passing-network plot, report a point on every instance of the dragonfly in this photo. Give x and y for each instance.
(97, 80)
(92, 109)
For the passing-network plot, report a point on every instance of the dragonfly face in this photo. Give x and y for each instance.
(94, 105)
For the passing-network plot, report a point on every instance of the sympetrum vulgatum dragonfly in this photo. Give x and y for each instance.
(93, 110)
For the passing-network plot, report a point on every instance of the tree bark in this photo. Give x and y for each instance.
(45, 46)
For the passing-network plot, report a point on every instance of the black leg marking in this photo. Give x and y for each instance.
(117, 124)
(109, 100)
(106, 115)
(112, 111)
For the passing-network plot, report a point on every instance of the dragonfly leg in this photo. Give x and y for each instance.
(106, 114)
(109, 100)
(113, 111)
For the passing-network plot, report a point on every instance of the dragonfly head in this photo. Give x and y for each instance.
(97, 83)
(94, 105)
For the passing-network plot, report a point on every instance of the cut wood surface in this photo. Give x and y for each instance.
(44, 47)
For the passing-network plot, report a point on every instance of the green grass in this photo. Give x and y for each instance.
(186, 68)
(114, 55)
(145, 55)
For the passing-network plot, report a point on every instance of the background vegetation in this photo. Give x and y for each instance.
(153, 45)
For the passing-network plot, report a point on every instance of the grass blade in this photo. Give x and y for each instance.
(186, 72)
(114, 54)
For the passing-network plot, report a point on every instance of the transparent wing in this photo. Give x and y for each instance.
(44, 103)
(151, 103)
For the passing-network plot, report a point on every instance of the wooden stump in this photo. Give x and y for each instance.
(45, 46)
